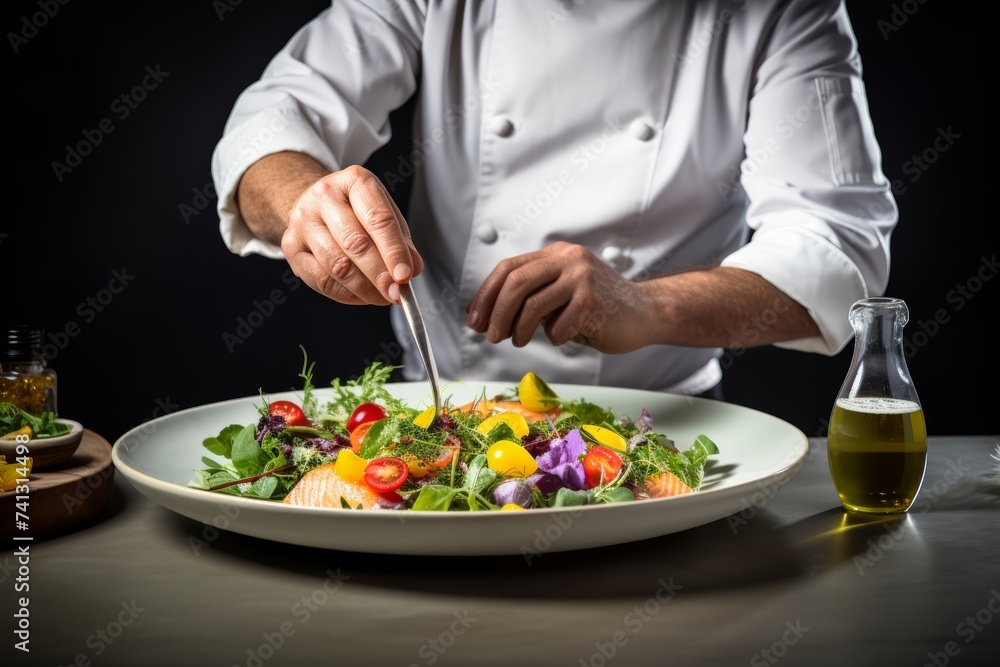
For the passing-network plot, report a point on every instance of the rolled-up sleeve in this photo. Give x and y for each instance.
(820, 208)
(328, 93)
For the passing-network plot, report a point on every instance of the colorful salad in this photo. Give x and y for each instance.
(526, 448)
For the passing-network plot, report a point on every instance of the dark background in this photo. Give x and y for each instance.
(158, 345)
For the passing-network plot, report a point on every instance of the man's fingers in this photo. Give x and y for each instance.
(312, 274)
(482, 304)
(383, 225)
(343, 250)
(417, 262)
(518, 286)
(538, 308)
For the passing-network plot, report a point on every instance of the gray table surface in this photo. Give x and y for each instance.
(795, 581)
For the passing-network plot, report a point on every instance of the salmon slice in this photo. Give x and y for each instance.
(483, 408)
(666, 484)
(487, 408)
(320, 487)
(529, 415)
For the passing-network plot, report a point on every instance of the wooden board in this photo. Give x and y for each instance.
(65, 495)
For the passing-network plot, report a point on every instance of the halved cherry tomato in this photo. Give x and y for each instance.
(387, 474)
(358, 435)
(292, 413)
(366, 412)
(601, 465)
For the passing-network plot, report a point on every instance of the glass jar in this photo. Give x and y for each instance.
(25, 380)
(877, 441)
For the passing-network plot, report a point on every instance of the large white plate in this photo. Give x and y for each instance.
(758, 454)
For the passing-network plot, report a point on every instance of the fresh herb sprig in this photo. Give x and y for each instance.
(44, 425)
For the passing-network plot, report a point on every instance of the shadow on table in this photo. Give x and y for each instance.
(722, 555)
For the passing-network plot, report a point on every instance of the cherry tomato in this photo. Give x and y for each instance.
(358, 435)
(366, 412)
(292, 413)
(601, 466)
(384, 475)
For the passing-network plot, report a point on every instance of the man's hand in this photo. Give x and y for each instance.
(575, 296)
(341, 232)
(568, 291)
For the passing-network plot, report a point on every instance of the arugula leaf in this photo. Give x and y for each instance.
(567, 498)
(246, 455)
(434, 497)
(502, 432)
(618, 494)
(478, 476)
(222, 444)
(264, 487)
(379, 435)
(586, 412)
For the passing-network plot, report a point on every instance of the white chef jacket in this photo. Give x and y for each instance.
(656, 134)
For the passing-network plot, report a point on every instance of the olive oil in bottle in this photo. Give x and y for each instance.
(877, 441)
(877, 449)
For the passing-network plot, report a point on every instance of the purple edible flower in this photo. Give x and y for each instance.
(512, 491)
(643, 423)
(545, 482)
(563, 460)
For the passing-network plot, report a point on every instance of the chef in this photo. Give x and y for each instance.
(603, 192)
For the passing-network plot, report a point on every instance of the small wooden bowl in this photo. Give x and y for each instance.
(47, 452)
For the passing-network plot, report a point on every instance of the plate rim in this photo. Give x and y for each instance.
(193, 493)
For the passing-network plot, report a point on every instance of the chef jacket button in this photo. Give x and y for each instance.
(611, 254)
(615, 257)
(486, 233)
(641, 130)
(501, 126)
(570, 349)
